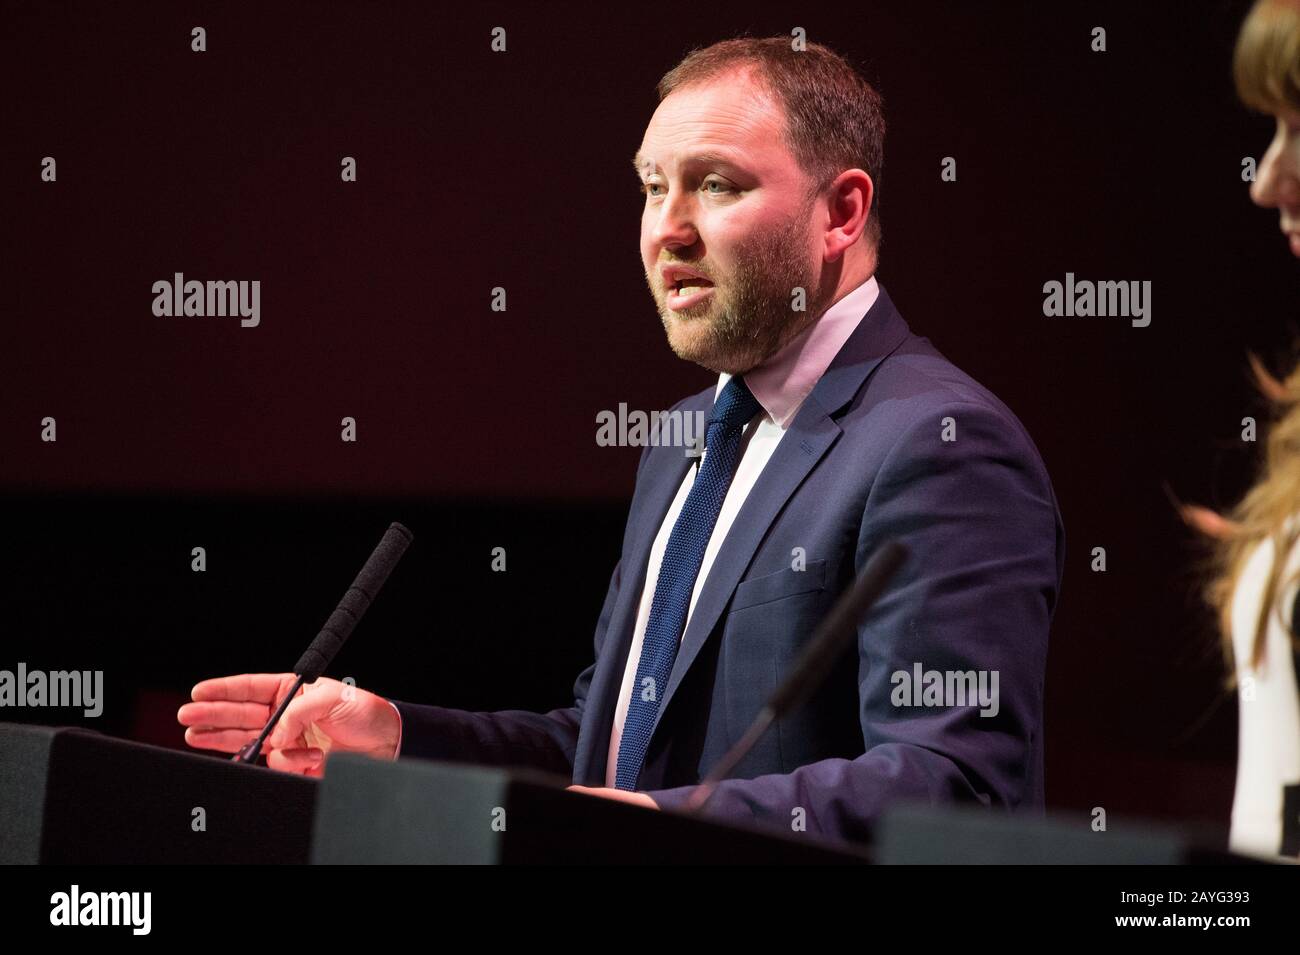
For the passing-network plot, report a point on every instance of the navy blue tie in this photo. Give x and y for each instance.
(681, 564)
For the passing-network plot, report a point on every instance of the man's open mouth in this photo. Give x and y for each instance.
(689, 286)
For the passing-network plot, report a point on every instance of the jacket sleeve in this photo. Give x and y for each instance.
(976, 593)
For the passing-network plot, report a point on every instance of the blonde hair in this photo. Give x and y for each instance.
(1263, 514)
(1266, 62)
(1266, 71)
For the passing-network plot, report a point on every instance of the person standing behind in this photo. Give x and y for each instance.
(1258, 552)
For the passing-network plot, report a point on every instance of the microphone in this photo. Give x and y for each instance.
(831, 637)
(338, 627)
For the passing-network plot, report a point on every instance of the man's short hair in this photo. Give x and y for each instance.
(834, 117)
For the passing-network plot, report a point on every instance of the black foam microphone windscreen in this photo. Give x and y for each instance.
(346, 615)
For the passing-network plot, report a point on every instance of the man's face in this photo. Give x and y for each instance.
(1278, 181)
(727, 201)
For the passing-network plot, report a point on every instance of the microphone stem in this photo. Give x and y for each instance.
(249, 752)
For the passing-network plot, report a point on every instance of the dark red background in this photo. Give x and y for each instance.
(477, 428)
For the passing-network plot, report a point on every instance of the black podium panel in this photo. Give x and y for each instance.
(923, 835)
(416, 811)
(72, 796)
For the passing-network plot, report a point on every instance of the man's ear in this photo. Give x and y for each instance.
(848, 202)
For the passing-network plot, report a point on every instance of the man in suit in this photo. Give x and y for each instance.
(832, 429)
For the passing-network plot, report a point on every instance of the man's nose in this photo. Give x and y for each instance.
(676, 223)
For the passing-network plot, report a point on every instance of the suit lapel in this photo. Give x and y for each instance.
(799, 450)
(809, 437)
(664, 471)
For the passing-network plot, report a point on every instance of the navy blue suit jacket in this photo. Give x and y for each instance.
(865, 459)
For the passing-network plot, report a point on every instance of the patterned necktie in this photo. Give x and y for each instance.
(681, 564)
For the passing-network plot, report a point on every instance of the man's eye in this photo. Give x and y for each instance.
(723, 188)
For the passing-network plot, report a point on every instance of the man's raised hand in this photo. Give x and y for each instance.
(325, 716)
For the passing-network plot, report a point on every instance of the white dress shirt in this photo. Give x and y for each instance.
(1268, 734)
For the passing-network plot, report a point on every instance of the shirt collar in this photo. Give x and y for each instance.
(783, 381)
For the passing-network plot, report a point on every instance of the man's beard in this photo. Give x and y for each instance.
(738, 331)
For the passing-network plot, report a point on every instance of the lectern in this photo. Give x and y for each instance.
(424, 811)
(73, 796)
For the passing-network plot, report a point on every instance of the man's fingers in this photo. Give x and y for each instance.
(302, 761)
(246, 687)
(224, 715)
(229, 711)
(313, 704)
(222, 740)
